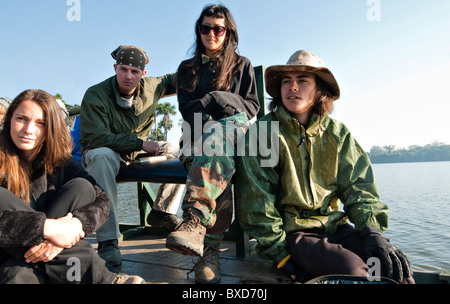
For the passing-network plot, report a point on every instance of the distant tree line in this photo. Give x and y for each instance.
(435, 151)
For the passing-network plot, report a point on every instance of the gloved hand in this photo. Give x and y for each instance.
(393, 260)
(294, 272)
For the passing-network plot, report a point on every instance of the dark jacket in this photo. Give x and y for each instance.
(242, 96)
(25, 228)
(106, 122)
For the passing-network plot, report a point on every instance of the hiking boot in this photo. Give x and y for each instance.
(207, 268)
(128, 279)
(110, 252)
(158, 218)
(189, 235)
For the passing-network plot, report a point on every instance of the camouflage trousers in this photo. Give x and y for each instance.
(208, 185)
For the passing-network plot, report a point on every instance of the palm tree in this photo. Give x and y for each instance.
(156, 135)
(165, 109)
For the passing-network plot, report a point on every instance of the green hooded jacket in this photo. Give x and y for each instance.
(106, 122)
(316, 168)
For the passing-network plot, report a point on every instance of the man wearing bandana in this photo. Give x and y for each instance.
(115, 121)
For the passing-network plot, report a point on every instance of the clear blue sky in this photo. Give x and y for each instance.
(393, 72)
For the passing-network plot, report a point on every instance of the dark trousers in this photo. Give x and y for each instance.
(78, 264)
(339, 253)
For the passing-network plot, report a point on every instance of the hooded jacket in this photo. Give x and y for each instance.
(26, 228)
(317, 167)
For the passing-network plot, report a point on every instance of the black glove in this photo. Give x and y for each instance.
(393, 260)
(291, 269)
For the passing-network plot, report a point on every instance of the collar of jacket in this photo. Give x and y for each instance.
(115, 87)
(312, 129)
(205, 59)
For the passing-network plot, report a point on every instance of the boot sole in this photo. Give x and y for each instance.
(182, 246)
(216, 280)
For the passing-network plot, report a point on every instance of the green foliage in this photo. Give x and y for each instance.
(165, 109)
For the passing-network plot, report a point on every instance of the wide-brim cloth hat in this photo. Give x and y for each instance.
(300, 61)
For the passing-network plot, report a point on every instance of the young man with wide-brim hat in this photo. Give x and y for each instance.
(292, 207)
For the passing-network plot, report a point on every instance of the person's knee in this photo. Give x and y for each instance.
(356, 269)
(82, 188)
(101, 157)
(16, 271)
(73, 195)
(10, 201)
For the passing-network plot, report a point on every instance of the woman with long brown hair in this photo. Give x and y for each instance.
(216, 89)
(48, 202)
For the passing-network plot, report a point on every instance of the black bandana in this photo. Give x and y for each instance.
(131, 56)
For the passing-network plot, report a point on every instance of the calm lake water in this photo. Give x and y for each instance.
(418, 195)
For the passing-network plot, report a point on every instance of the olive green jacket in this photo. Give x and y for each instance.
(106, 122)
(303, 190)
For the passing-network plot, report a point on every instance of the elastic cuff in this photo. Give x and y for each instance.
(139, 144)
(370, 230)
(80, 221)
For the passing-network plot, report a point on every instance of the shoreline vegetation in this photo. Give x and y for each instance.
(433, 152)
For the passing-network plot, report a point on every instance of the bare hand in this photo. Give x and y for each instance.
(409, 280)
(63, 232)
(44, 252)
(151, 147)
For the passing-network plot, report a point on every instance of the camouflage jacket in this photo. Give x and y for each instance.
(317, 167)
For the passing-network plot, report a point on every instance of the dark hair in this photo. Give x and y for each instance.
(323, 105)
(229, 59)
(15, 170)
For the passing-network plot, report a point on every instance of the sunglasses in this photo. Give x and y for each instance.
(206, 29)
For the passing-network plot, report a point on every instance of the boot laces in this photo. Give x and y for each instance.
(190, 221)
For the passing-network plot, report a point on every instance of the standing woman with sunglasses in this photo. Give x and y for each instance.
(216, 90)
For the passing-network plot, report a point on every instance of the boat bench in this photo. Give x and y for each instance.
(172, 171)
(167, 171)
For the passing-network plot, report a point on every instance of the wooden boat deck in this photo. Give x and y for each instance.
(146, 255)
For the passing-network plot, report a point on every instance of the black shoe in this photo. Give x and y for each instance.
(162, 219)
(207, 268)
(110, 252)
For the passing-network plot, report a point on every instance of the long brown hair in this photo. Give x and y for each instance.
(323, 105)
(15, 170)
(229, 59)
